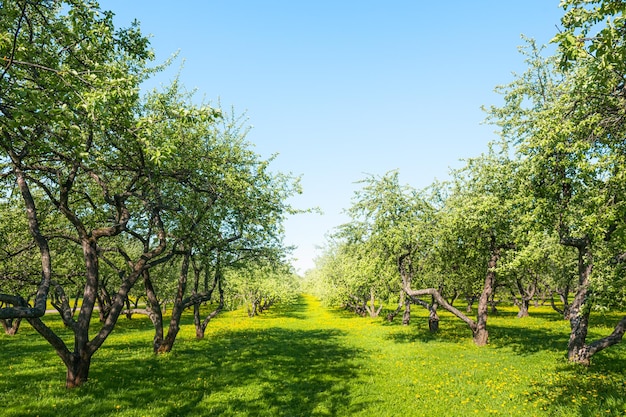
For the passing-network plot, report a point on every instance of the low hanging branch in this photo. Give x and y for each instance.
(406, 272)
(20, 308)
(433, 292)
(612, 339)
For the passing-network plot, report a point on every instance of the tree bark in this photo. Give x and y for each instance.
(523, 305)
(371, 308)
(78, 370)
(433, 317)
(579, 314)
(481, 334)
(601, 344)
(177, 309)
(471, 299)
(11, 326)
(564, 297)
(398, 309)
(525, 297)
(154, 311)
(406, 317)
(197, 299)
(41, 297)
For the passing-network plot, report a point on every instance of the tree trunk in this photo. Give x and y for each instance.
(11, 326)
(471, 299)
(481, 335)
(217, 282)
(526, 296)
(406, 317)
(564, 297)
(39, 309)
(197, 322)
(104, 302)
(252, 308)
(129, 312)
(77, 370)
(493, 303)
(371, 309)
(454, 297)
(213, 314)
(398, 309)
(154, 311)
(177, 310)
(433, 318)
(579, 314)
(523, 306)
(578, 350)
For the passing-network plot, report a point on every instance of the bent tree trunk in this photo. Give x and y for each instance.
(406, 271)
(443, 303)
(586, 351)
(77, 363)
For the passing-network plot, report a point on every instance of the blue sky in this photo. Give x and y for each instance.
(343, 89)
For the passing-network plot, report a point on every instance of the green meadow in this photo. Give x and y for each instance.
(307, 360)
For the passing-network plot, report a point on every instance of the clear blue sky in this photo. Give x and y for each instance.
(342, 89)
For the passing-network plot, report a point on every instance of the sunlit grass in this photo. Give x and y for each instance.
(304, 360)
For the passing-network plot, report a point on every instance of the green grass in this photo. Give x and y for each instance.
(304, 360)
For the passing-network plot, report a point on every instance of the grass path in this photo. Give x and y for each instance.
(307, 360)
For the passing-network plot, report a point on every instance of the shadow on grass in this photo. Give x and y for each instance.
(295, 310)
(585, 391)
(451, 330)
(525, 340)
(542, 332)
(522, 339)
(270, 372)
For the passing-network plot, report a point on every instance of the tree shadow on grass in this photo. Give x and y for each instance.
(521, 339)
(522, 336)
(270, 372)
(585, 391)
(525, 340)
(451, 330)
(294, 310)
(547, 316)
(285, 372)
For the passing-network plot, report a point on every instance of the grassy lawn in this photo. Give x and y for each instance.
(305, 360)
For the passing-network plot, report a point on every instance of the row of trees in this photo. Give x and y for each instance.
(105, 188)
(542, 213)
